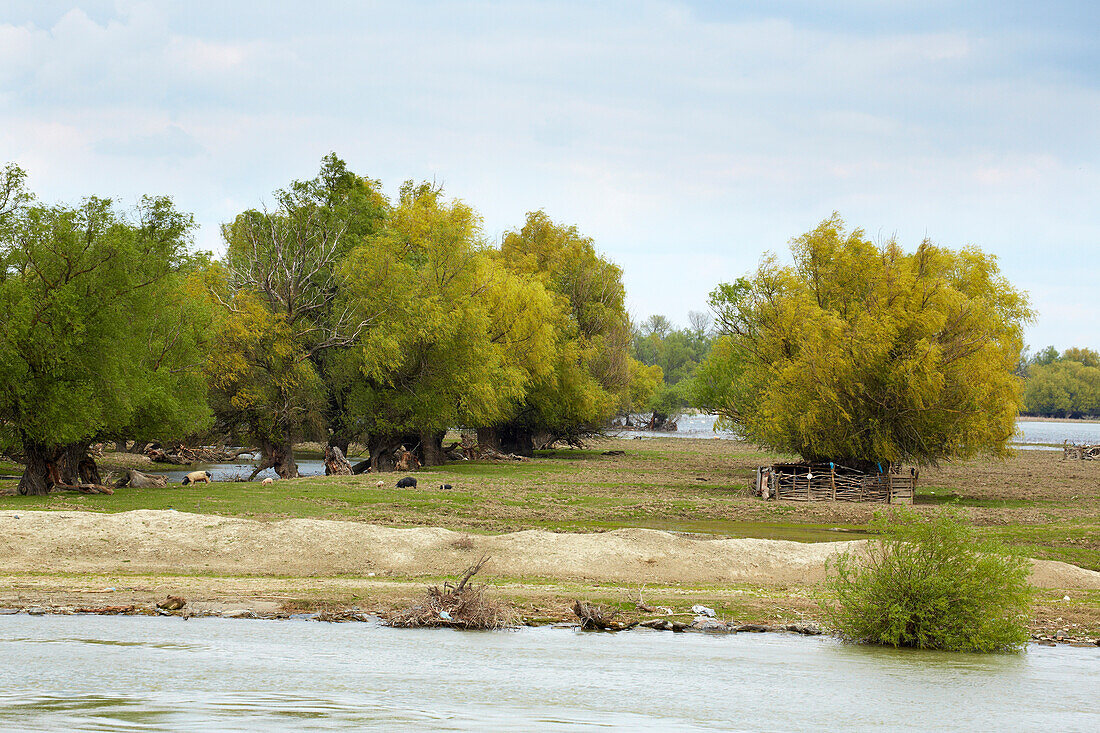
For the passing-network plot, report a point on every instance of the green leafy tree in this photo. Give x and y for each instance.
(286, 313)
(1063, 388)
(588, 379)
(931, 584)
(100, 330)
(866, 354)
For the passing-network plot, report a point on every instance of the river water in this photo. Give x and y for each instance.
(1028, 432)
(117, 673)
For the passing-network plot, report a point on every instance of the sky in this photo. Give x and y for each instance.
(686, 138)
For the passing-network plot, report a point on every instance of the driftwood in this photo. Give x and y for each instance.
(182, 455)
(335, 462)
(84, 488)
(139, 480)
(1076, 452)
(495, 455)
(597, 618)
(461, 606)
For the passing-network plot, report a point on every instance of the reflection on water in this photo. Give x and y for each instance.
(222, 674)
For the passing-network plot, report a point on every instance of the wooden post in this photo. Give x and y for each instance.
(889, 487)
(832, 479)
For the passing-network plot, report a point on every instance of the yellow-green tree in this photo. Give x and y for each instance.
(862, 353)
(589, 376)
(460, 337)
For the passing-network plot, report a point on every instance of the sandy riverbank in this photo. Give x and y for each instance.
(63, 562)
(155, 542)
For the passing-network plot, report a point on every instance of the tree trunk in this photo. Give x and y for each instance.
(335, 462)
(279, 456)
(488, 438)
(381, 457)
(36, 479)
(383, 449)
(66, 465)
(340, 442)
(431, 448)
(507, 439)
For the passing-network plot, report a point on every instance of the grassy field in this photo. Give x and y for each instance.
(1047, 507)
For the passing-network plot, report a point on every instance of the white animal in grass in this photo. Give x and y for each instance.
(196, 477)
(267, 481)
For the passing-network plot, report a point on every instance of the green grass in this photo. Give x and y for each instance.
(938, 495)
(653, 485)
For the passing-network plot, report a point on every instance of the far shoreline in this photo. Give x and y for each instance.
(1036, 418)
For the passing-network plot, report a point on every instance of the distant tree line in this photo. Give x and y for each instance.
(1065, 384)
(670, 356)
(335, 315)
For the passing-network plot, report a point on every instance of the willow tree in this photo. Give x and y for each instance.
(589, 376)
(864, 354)
(460, 337)
(284, 311)
(95, 338)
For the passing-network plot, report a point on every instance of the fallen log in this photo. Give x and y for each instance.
(361, 467)
(84, 488)
(139, 480)
(172, 603)
(597, 618)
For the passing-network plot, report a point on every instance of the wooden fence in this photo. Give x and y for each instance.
(822, 483)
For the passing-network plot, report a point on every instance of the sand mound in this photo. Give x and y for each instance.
(177, 542)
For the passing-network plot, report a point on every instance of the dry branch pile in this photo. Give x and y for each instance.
(1080, 452)
(182, 455)
(461, 606)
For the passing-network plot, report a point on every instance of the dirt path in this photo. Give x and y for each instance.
(169, 542)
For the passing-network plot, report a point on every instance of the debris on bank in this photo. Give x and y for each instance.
(461, 606)
(1082, 452)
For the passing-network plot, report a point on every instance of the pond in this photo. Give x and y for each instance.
(135, 673)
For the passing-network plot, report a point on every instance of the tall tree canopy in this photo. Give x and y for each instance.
(677, 353)
(1063, 385)
(461, 337)
(286, 309)
(101, 323)
(588, 381)
(866, 354)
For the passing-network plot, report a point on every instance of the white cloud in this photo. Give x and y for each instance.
(651, 128)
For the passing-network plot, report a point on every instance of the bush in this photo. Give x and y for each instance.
(931, 584)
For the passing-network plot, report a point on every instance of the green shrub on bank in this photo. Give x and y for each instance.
(931, 584)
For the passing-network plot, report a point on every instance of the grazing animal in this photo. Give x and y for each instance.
(445, 486)
(407, 483)
(197, 477)
(267, 481)
(381, 483)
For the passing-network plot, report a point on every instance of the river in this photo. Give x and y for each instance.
(1028, 432)
(118, 673)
